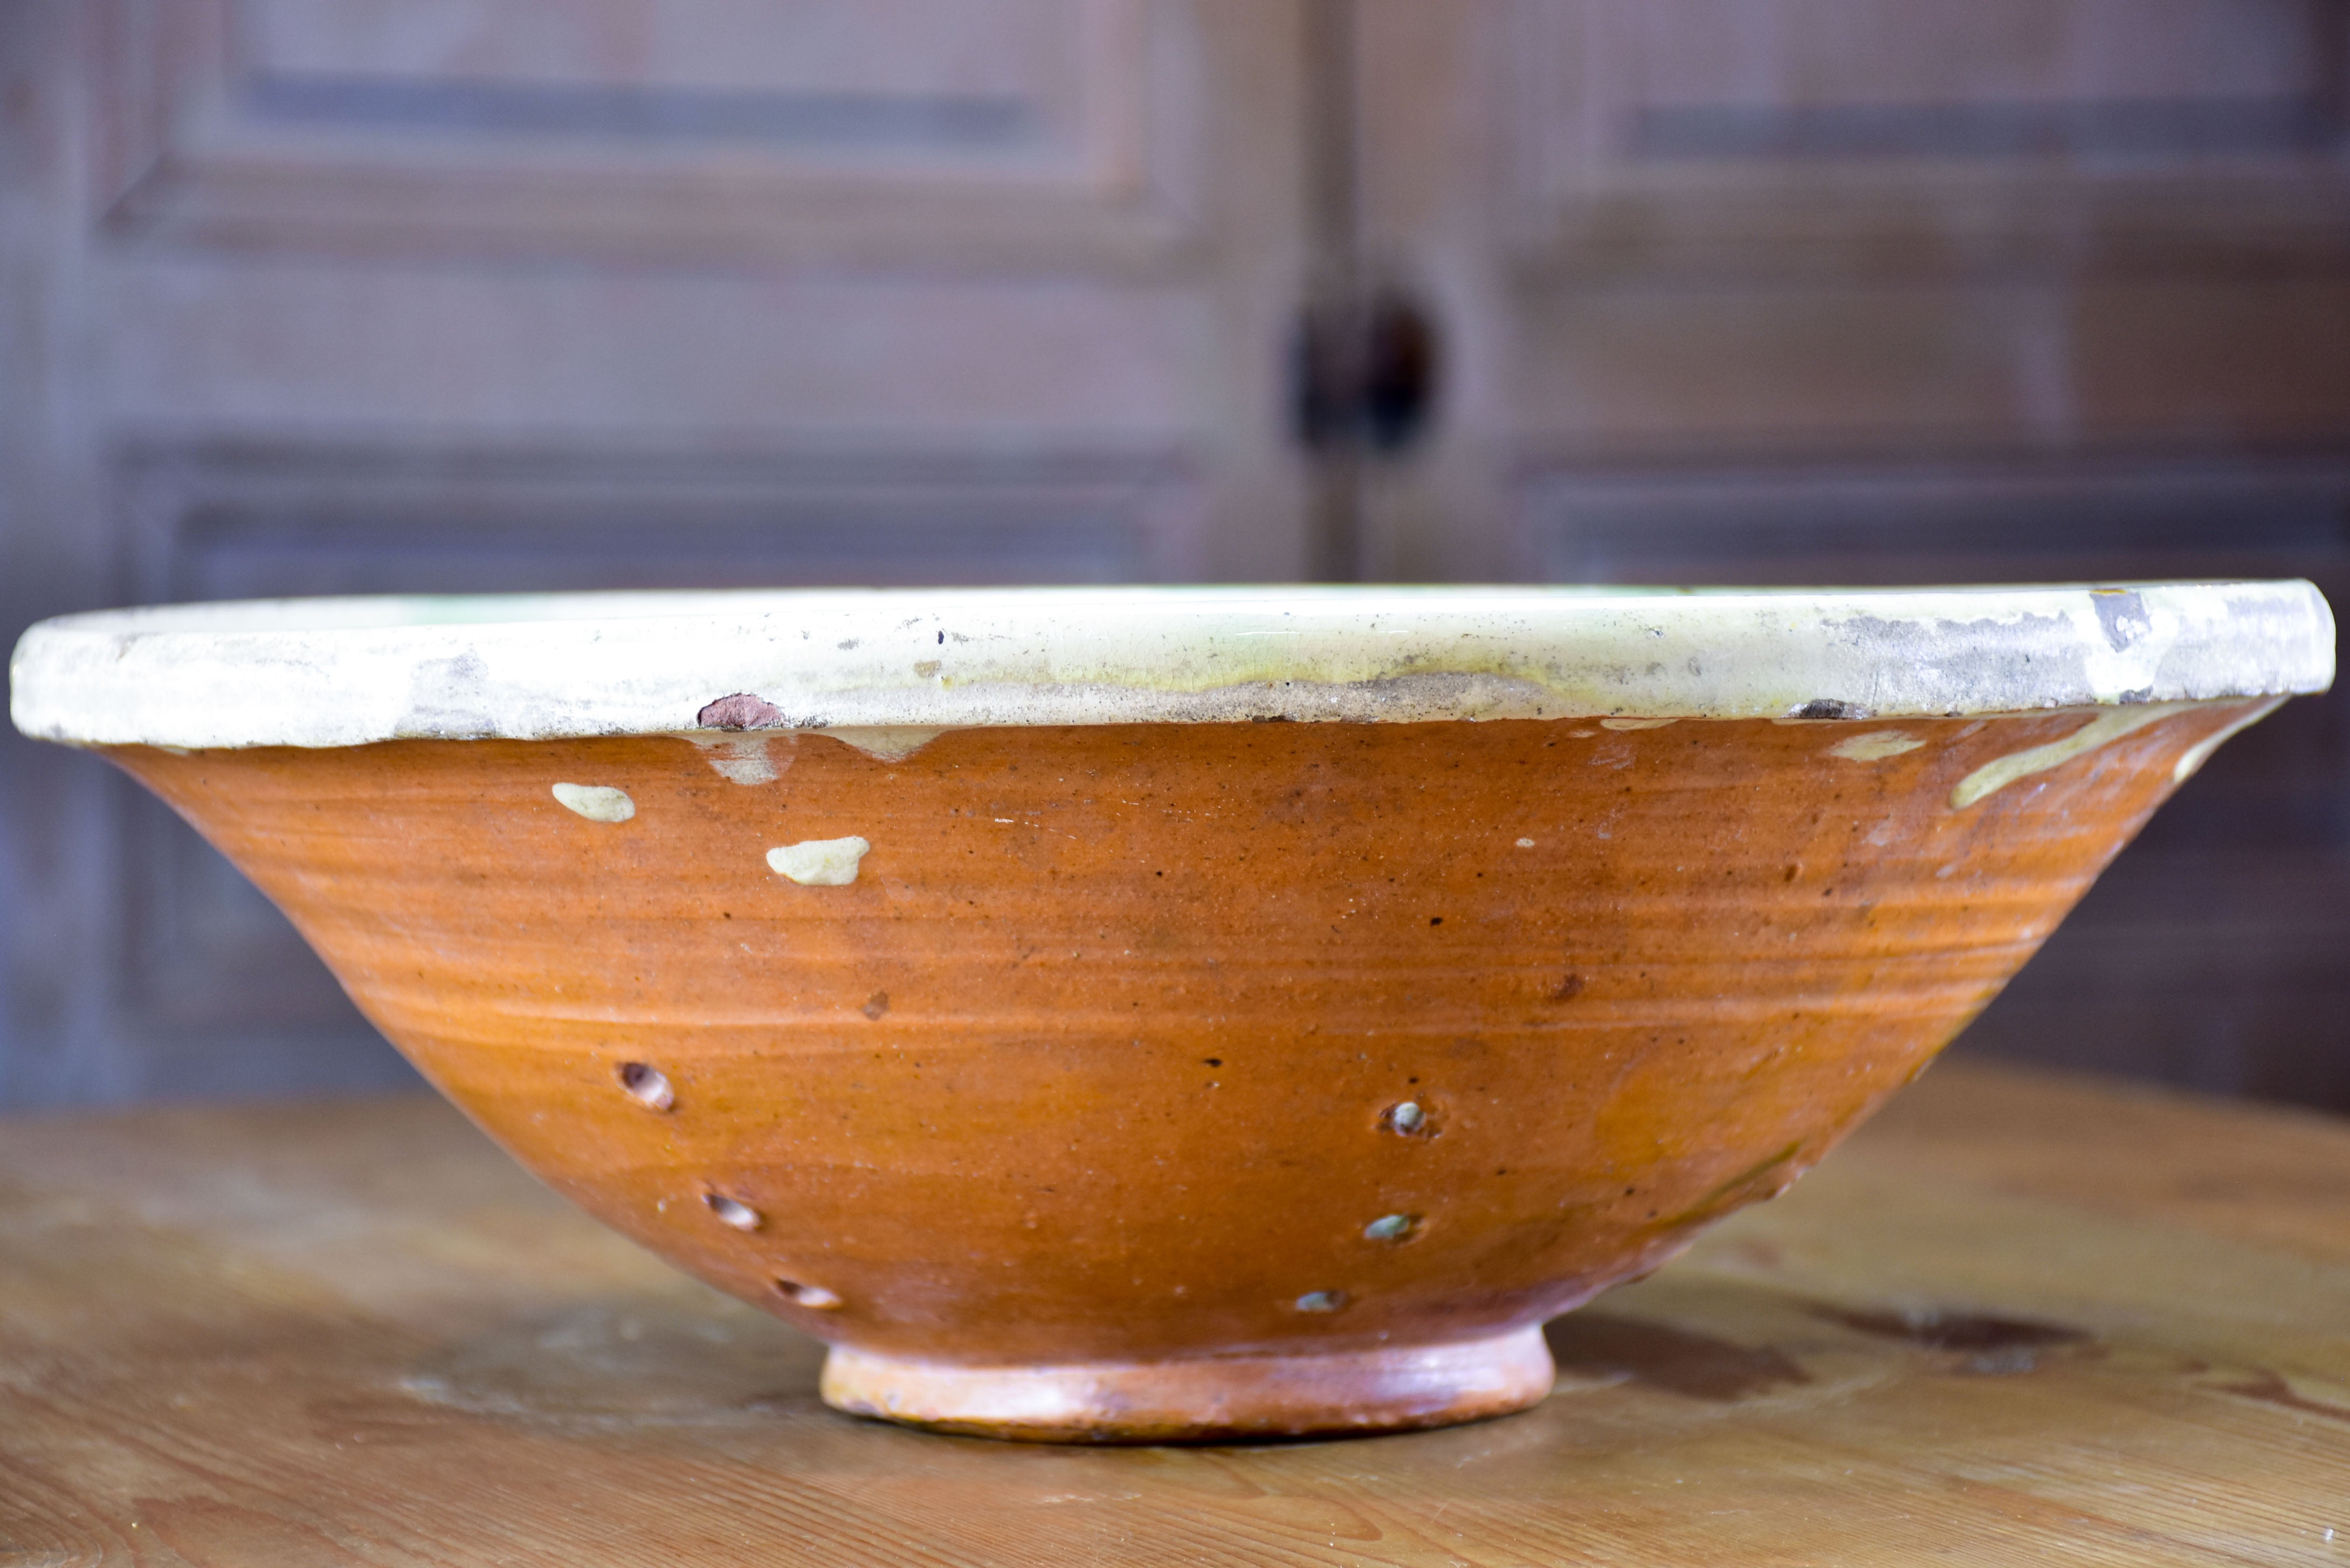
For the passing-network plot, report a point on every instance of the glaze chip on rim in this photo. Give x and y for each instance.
(348, 671)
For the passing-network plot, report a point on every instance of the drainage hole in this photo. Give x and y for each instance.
(648, 1086)
(742, 1216)
(815, 1296)
(1409, 1118)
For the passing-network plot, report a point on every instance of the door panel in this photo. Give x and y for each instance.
(445, 295)
(1047, 130)
(1856, 291)
(328, 295)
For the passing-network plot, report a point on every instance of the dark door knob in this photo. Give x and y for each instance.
(1363, 373)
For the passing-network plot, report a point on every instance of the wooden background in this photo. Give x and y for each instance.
(328, 296)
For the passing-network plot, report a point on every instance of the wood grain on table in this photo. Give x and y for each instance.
(2016, 1319)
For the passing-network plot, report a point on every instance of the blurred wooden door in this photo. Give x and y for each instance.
(1874, 291)
(336, 296)
(346, 295)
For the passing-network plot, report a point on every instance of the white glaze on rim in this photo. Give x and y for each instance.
(336, 672)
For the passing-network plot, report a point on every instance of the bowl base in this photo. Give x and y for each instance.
(1200, 1399)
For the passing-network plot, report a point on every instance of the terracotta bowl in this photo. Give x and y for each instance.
(995, 986)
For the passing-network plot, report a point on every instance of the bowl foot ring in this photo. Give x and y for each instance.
(1200, 1399)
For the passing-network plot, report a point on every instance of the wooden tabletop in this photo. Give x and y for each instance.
(2015, 1320)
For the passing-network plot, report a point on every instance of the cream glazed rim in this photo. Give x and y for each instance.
(348, 671)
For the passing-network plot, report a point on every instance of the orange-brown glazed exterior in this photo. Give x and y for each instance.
(1102, 1059)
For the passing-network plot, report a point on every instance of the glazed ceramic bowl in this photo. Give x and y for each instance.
(1174, 1013)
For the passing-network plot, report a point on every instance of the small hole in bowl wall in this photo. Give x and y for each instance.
(1408, 1118)
(742, 1216)
(649, 1087)
(807, 1295)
